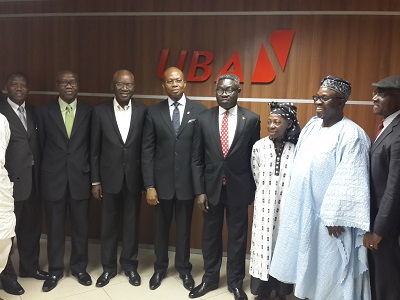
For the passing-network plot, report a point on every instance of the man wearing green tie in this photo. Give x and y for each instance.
(64, 134)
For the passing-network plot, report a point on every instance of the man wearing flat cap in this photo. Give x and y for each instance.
(326, 213)
(383, 240)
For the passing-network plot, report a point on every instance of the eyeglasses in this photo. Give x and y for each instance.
(228, 91)
(172, 81)
(65, 83)
(324, 98)
(120, 85)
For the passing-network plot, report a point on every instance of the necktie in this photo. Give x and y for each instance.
(69, 120)
(22, 117)
(224, 136)
(175, 118)
(380, 128)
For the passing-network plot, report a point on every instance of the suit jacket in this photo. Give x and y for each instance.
(385, 181)
(65, 162)
(22, 149)
(209, 165)
(166, 157)
(113, 161)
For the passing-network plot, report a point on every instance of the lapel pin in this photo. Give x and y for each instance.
(188, 112)
(243, 118)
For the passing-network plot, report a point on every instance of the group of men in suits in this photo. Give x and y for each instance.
(182, 154)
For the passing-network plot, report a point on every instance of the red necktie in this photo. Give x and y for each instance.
(224, 136)
(380, 127)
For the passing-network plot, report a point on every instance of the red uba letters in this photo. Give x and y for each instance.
(281, 42)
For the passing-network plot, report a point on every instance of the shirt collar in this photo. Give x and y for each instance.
(63, 104)
(119, 107)
(232, 111)
(389, 119)
(181, 101)
(14, 105)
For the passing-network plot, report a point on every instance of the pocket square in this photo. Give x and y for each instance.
(191, 120)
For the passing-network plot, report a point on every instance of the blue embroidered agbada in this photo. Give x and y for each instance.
(329, 187)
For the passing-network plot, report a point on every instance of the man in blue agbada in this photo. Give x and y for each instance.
(326, 213)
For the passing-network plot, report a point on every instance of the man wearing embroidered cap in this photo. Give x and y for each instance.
(382, 241)
(326, 206)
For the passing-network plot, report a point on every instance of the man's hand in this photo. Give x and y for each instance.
(371, 240)
(97, 191)
(151, 196)
(335, 231)
(202, 202)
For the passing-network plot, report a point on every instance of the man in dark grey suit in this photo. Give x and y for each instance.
(116, 140)
(64, 134)
(23, 166)
(383, 240)
(167, 173)
(223, 182)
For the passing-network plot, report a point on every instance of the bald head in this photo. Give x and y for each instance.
(174, 83)
(123, 86)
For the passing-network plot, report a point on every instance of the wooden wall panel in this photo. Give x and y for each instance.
(360, 48)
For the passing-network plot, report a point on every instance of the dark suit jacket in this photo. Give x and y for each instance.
(65, 161)
(22, 149)
(166, 158)
(209, 165)
(111, 159)
(385, 182)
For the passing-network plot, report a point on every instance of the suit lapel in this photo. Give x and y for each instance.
(29, 120)
(134, 114)
(12, 116)
(186, 115)
(166, 116)
(385, 133)
(241, 122)
(111, 115)
(79, 117)
(55, 113)
(214, 125)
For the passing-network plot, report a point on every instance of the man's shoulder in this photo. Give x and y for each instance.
(196, 104)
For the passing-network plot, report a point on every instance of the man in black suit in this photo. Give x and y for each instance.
(117, 128)
(383, 240)
(23, 166)
(167, 173)
(64, 134)
(223, 182)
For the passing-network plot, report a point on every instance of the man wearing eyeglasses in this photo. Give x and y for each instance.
(383, 238)
(115, 147)
(167, 174)
(326, 210)
(224, 184)
(64, 136)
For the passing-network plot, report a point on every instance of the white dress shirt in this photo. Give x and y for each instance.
(232, 122)
(123, 117)
(15, 106)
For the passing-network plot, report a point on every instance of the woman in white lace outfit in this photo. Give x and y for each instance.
(271, 162)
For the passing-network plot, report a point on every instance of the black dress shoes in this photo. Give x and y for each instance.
(188, 281)
(104, 278)
(238, 293)
(134, 277)
(155, 280)
(83, 278)
(38, 274)
(202, 289)
(51, 282)
(11, 286)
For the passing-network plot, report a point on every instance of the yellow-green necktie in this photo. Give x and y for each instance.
(69, 120)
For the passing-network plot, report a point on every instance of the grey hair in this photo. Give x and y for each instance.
(231, 77)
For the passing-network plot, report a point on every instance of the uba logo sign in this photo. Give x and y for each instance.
(280, 40)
